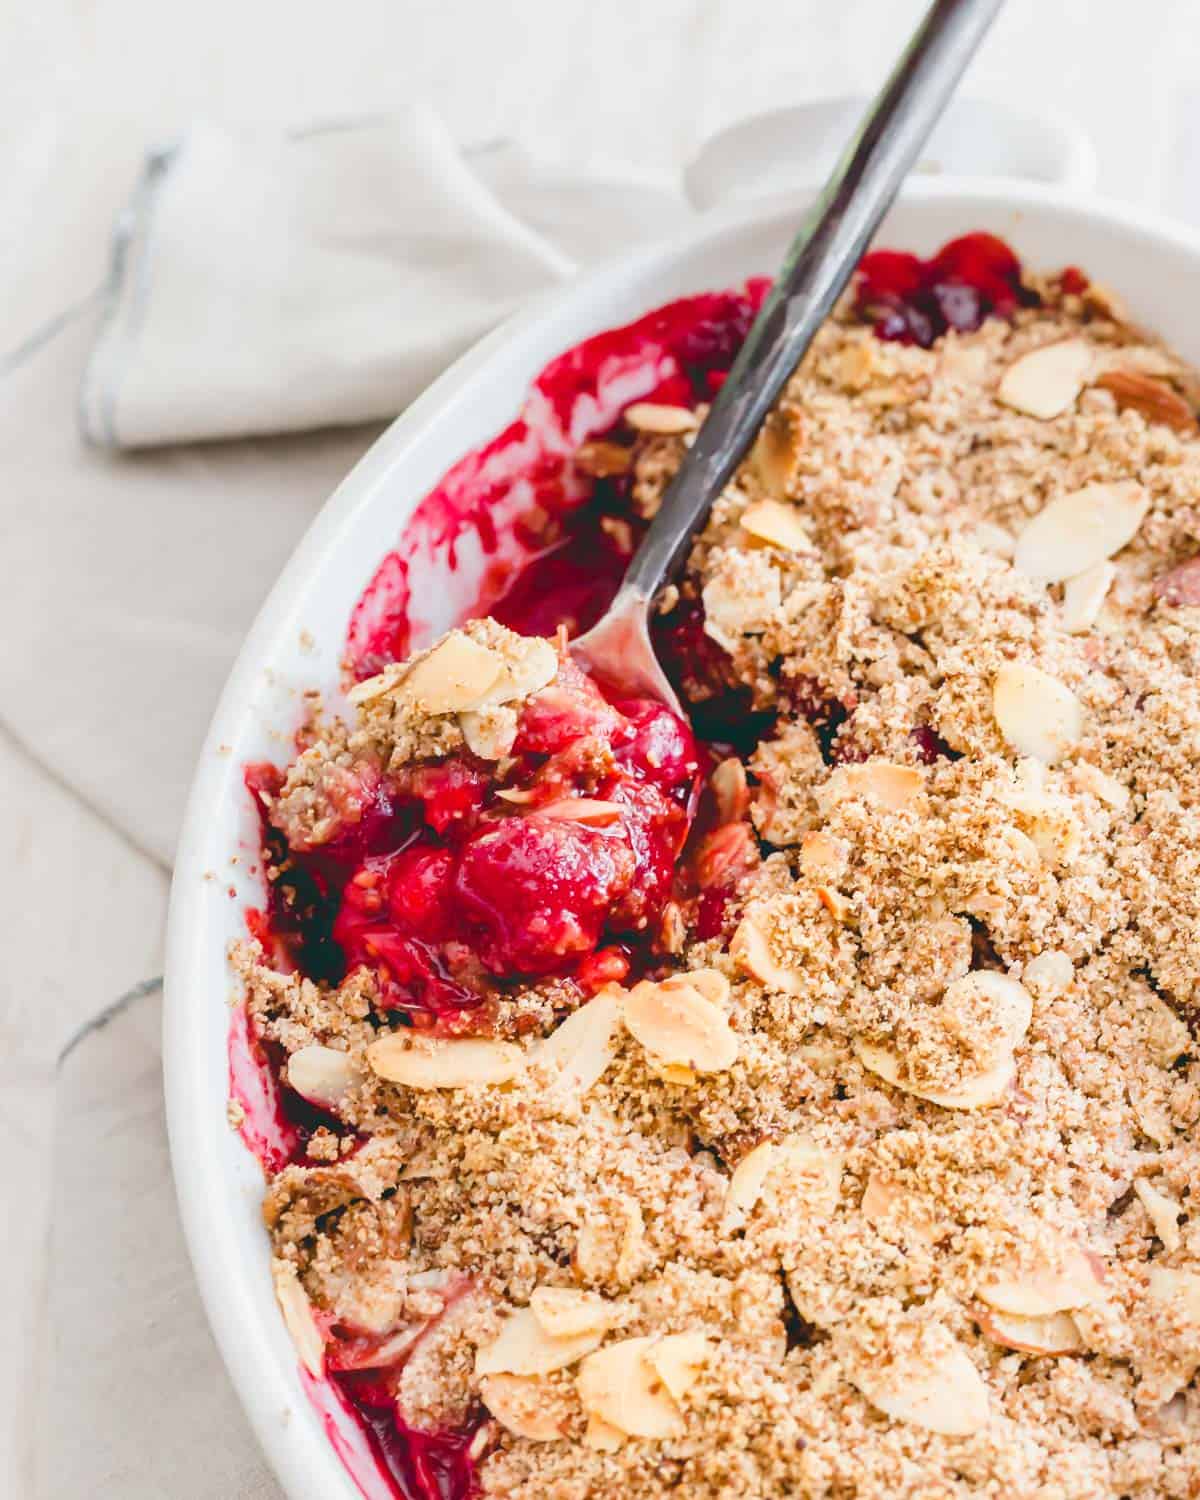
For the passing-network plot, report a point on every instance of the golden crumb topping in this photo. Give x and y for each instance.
(886, 1192)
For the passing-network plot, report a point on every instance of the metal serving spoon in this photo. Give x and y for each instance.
(819, 263)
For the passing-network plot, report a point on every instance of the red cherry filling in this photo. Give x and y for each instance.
(914, 301)
(445, 882)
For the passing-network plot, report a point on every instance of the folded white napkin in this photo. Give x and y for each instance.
(268, 282)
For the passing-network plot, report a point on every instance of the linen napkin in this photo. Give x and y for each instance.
(270, 282)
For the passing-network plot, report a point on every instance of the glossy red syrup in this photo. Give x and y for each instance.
(915, 301)
(448, 889)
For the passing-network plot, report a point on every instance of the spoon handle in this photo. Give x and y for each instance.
(819, 263)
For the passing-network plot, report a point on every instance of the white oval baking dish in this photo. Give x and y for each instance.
(1155, 265)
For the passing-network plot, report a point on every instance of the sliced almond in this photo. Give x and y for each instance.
(1036, 713)
(565, 1311)
(1084, 595)
(882, 783)
(823, 857)
(1001, 998)
(678, 1359)
(298, 1317)
(523, 1347)
(578, 1052)
(372, 688)
(775, 455)
(732, 794)
(1046, 382)
(456, 674)
(747, 1181)
(777, 523)
(1080, 529)
(751, 947)
(528, 1407)
(1154, 399)
(1181, 1288)
(590, 810)
(1072, 1279)
(664, 421)
(601, 1437)
(711, 983)
(1163, 1212)
(421, 1062)
(678, 1027)
(835, 904)
(942, 1392)
(323, 1075)
(620, 1386)
(610, 1245)
(1054, 1333)
(530, 663)
(980, 1092)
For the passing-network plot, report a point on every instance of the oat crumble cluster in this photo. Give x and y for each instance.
(884, 1187)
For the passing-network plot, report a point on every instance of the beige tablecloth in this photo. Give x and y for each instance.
(115, 569)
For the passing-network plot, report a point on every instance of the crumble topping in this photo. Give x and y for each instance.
(884, 1187)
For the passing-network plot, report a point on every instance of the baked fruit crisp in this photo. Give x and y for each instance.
(801, 1102)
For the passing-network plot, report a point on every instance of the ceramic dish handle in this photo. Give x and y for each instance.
(784, 150)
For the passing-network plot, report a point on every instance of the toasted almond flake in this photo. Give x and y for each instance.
(1074, 1278)
(455, 675)
(1163, 1212)
(1036, 713)
(678, 1027)
(711, 983)
(664, 421)
(1003, 999)
(603, 460)
(1154, 399)
(885, 1202)
(835, 904)
(610, 1247)
(1054, 1333)
(490, 732)
(578, 1052)
(678, 1360)
(1080, 529)
(523, 1347)
(601, 1437)
(732, 794)
(1046, 382)
(751, 947)
(882, 783)
(323, 1075)
(589, 810)
(775, 456)
(823, 857)
(620, 1386)
(565, 1312)
(378, 686)
(298, 1317)
(518, 796)
(1049, 974)
(777, 523)
(527, 668)
(747, 1181)
(527, 1406)
(429, 1063)
(945, 1395)
(1084, 595)
(980, 1092)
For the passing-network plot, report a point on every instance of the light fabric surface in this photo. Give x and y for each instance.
(128, 581)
